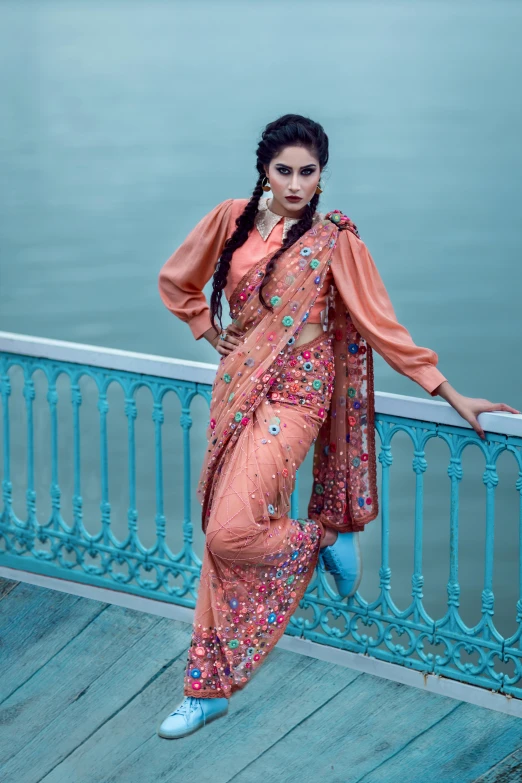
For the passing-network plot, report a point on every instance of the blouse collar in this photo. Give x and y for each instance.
(266, 220)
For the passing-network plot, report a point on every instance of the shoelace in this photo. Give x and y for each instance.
(190, 704)
(333, 561)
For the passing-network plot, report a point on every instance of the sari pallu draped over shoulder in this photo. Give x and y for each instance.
(344, 493)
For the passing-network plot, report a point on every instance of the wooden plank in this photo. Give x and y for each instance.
(35, 624)
(66, 675)
(6, 585)
(142, 648)
(509, 770)
(353, 733)
(89, 712)
(462, 746)
(126, 748)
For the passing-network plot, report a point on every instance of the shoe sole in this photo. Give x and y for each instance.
(359, 569)
(196, 728)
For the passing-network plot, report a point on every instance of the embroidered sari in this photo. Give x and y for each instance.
(344, 494)
(271, 402)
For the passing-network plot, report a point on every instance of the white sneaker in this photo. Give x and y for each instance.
(191, 715)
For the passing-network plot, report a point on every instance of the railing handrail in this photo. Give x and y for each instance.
(434, 411)
(62, 544)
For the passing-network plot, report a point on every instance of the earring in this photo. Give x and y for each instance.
(266, 185)
(319, 188)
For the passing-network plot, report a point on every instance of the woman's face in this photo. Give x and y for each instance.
(294, 172)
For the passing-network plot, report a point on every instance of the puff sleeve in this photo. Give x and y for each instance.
(184, 275)
(360, 285)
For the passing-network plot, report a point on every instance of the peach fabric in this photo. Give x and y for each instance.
(353, 272)
(270, 400)
(192, 265)
(257, 561)
(255, 248)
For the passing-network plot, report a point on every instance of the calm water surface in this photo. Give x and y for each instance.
(123, 123)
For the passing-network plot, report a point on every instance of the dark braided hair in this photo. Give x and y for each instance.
(290, 130)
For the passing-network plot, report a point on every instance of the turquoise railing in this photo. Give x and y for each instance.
(65, 548)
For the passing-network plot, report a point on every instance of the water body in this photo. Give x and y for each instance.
(123, 123)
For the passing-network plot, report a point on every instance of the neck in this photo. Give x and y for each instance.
(275, 207)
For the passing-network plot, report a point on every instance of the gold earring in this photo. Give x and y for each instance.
(319, 188)
(266, 185)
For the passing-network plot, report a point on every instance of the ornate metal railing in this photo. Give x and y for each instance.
(37, 373)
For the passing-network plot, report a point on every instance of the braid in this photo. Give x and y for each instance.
(244, 224)
(297, 230)
(288, 130)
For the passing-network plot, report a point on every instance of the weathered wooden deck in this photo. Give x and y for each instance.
(84, 684)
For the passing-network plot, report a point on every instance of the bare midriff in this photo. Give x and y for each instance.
(309, 332)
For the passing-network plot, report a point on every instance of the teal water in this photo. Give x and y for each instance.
(123, 123)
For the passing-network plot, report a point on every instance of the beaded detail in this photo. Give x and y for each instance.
(342, 221)
(251, 607)
(294, 282)
(308, 382)
(344, 462)
(280, 400)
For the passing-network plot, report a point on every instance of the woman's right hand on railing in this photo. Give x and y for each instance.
(231, 341)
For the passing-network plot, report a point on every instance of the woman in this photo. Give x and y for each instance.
(307, 306)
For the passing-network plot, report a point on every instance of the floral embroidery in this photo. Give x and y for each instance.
(251, 602)
(349, 480)
(222, 657)
(342, 221)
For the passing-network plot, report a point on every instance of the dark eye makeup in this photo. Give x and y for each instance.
(285, 170)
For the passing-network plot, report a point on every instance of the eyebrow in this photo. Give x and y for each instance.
(309, 166)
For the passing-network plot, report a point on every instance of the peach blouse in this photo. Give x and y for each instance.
(267, 237)
(184, 275)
